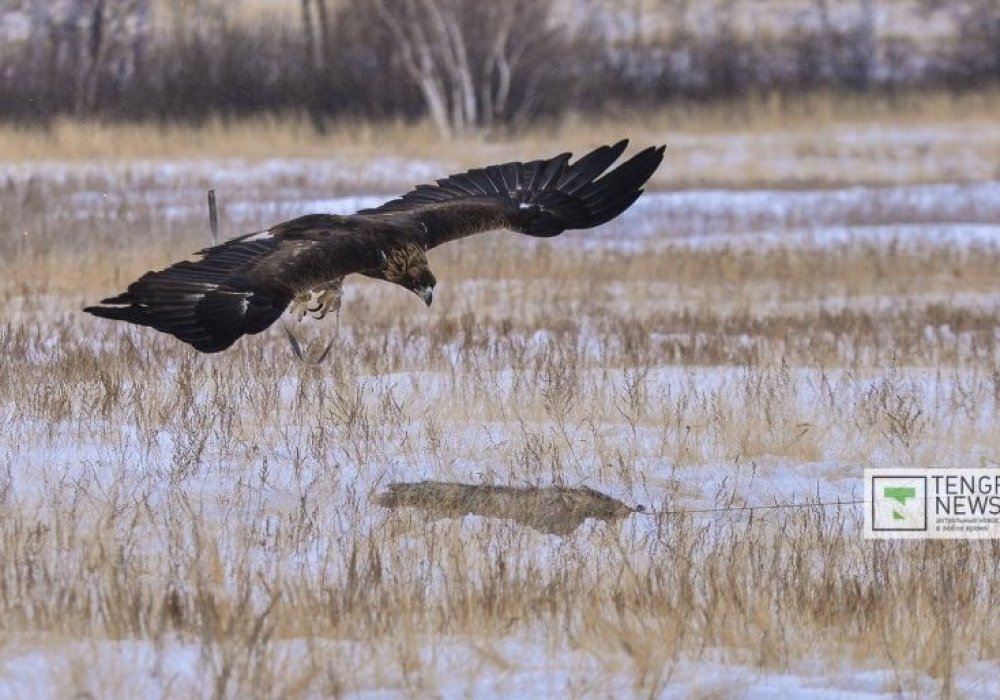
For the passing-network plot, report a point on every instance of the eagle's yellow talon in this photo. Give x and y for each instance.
(327, 301)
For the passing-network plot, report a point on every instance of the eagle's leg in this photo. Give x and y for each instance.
(300, 305)
(329, 299)
(318, 302)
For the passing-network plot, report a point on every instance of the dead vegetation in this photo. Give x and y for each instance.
(178, 525)
(819, 138)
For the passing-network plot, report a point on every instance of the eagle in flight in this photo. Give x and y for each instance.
(242, 286)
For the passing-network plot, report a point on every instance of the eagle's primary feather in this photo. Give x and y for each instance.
(243, 285)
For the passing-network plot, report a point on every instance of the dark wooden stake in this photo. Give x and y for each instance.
(213, 217)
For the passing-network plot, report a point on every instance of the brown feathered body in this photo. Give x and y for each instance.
(242, 286)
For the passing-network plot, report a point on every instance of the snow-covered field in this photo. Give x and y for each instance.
(176, 525)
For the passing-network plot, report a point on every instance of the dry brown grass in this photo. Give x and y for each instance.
(824, 139)
(179, 525)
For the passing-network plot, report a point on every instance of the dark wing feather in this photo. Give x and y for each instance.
(239, 287)
(540, 198)
(208, 303)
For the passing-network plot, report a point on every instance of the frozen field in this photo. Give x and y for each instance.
(177, 525)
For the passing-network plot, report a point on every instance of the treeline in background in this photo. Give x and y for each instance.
(470, 65)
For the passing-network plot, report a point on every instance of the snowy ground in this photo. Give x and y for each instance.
(517, 668)
(124, 452)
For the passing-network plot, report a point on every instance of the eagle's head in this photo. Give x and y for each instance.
(407, 266)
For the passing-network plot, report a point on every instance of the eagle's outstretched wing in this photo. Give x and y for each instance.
(239, 287)
(540, 198)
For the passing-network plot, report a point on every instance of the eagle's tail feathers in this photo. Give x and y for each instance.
(205, 303)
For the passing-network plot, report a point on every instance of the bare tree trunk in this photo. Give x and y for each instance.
(86, 100)
(867, 43)
(141, 38)
(313, 59)
(494, 97)
(324, 32)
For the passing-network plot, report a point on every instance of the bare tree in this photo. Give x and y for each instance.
(92, 37)
(465, 56)
(857, 62)
(976, 23)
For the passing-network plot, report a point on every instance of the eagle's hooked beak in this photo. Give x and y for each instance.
(425, 293)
